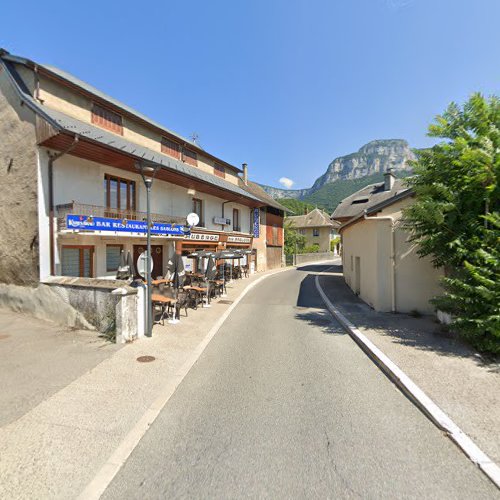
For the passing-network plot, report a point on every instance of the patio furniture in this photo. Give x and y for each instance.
(164, 303)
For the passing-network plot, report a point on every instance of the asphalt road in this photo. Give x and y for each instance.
(283, 404)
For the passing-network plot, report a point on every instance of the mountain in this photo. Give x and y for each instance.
(371, 159)
(298, 207)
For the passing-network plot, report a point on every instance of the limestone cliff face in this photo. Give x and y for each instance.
(374, 157)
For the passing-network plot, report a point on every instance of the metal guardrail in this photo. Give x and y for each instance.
(75, 208)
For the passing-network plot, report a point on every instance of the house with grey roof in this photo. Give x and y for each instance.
(380, 262)
(369, 196)
(317, 227)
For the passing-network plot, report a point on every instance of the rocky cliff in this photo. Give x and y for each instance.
(373, 158)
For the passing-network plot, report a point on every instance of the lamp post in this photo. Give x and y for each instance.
(148, 182)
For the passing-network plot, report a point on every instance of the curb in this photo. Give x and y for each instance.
(415, 394)
(117, 459)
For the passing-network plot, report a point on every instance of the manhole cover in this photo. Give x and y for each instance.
(4, 336)
(145, 359)
(225, 301)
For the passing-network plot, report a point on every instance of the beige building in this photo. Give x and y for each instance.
(74, 199)
(380, 264)
(317, 227)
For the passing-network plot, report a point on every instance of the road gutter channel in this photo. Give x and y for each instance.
(98, 485)
(415, 394)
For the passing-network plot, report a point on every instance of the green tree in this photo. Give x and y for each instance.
(294, 241)
(455, 216)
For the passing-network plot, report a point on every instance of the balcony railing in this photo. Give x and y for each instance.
(75, 208)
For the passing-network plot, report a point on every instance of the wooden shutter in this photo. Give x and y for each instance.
(107, 119)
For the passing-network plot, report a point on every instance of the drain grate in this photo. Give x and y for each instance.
(145, 359)
(225, 301)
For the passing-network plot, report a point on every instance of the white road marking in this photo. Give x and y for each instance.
(417, 395)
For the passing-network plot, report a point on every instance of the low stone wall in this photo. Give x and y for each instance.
(303, 258)
(43, 303)
(114, 314)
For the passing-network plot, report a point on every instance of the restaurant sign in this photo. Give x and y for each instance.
(203, 237)
(89, 223)
(256, 222)
(238, 239)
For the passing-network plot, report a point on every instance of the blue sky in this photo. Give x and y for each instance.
(283, 85)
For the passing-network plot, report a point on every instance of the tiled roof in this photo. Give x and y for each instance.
(366, 198)
(315, 218)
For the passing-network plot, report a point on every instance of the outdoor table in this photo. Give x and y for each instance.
(199, 291)
(160, 282)
(164, 303)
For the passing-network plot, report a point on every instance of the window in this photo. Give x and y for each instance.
(236, 220)
(315, 231)
(219, 171)
(198, 209)
(170, 148)
(113, 253)
(107, 119)
(118, 194)
(189, 157)
(302, 231)
(77, 261)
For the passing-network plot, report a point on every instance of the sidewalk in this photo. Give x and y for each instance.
(57, 447)
(460, 381)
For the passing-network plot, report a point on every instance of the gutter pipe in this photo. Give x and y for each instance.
(52, 159)
(392, 257)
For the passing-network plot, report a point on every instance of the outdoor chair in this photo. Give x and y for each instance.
(181, 301)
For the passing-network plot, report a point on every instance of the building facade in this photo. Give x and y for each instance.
(73, 196)
(380, 264)
(317, 227)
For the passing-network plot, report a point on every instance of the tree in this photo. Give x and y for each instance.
(455, 217)
(294, 241)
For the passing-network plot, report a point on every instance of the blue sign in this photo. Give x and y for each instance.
(88, 223)
(256, 222)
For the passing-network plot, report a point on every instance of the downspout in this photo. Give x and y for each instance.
(392, 257)
(37, 84)
(52, 159)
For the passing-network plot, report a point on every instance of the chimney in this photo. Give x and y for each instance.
(245, 174)
(389, 179)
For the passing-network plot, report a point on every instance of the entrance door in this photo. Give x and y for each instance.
(157, 255)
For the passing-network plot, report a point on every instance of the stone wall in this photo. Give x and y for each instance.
(19, 259)
(114, 314)
(304, 258)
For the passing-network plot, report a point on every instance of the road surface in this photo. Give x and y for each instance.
(283, 404)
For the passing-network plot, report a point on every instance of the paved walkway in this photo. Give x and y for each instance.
(464, 384)
(39, 358)
(72, 399)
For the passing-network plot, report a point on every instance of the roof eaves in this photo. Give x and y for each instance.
(90, 89)
(74, 127)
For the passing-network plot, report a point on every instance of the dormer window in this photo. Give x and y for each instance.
(105, 118)
(189, 157)
(170, 148)
(219, 171)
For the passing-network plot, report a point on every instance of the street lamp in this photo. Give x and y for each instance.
(148, 172)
